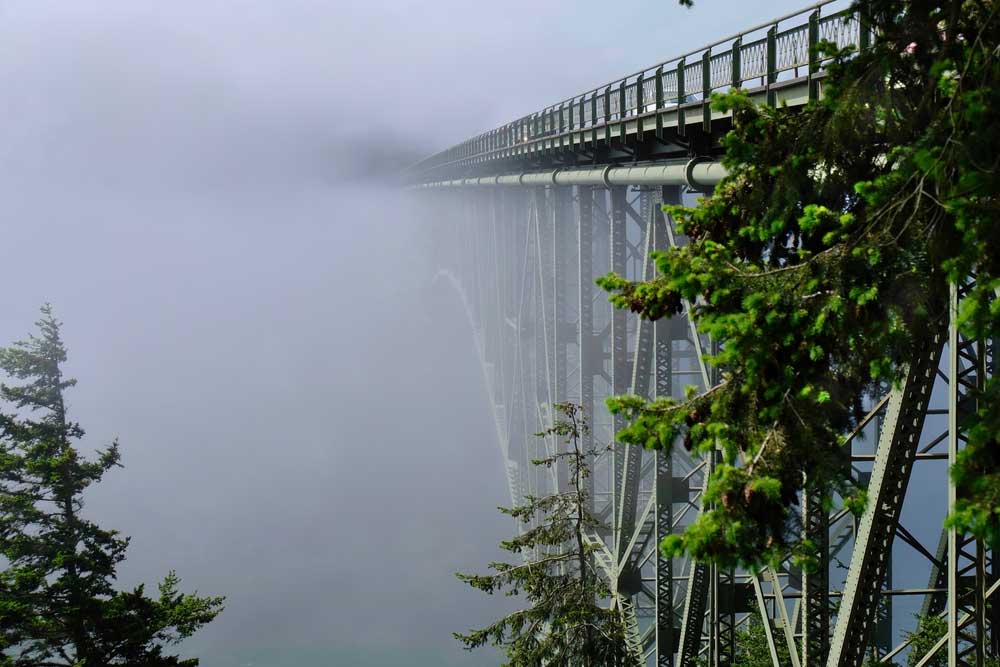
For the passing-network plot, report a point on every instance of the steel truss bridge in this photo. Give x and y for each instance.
(531, 212)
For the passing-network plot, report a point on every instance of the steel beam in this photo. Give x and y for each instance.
(589, 355)
(664, 387)
(897, 448)
(696, 174)
(816, 583)
(620, 370)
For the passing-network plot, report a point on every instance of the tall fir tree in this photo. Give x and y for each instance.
(564, 622)
(58, 603)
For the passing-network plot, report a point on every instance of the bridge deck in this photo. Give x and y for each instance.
(661, 112)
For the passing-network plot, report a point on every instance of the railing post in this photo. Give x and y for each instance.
(639, 106)
(562, 123)
(659, 102)
(681, 129)
(607, 115)
(813, 54)
(864, 34)
(737, 73)
(552, 126)
(706, 91)
(569, 123)
(621, 111)
(593, 120)
(772, 62)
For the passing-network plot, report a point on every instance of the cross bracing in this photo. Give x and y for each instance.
(580, 197)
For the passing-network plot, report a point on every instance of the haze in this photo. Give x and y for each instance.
(200, 189)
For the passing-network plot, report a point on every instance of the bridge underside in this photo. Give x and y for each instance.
(525, 260)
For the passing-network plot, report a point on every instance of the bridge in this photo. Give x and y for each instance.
(533, 211)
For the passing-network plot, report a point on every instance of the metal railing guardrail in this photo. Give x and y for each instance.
(762, 55)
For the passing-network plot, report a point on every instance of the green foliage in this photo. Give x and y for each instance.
(563, 623)
(58, 605)
(929, 630)
(822, 264)
(752, 649)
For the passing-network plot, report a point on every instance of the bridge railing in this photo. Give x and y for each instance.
(778, 50)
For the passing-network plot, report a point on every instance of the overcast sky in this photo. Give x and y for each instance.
(300, 410)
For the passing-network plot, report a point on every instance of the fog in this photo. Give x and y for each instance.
(200, 190)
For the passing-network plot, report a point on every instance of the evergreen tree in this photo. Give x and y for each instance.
(930, 630)
(58, 604)
(752, 649)
(821, 264)
(563, 624)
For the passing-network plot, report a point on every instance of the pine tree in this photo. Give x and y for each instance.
(930, 630)
(58, 603)
(752, 649)
(564, 623)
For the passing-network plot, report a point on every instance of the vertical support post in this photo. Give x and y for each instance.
(659, 102)
(725, 603)
(561, 203)
(552, 130)
(640, 107)
(642, 357)
(589, 362)
(681, 123)
(952, 457)
(620, 368)
(816, 584)
(706, 91)
(666, 639)
(864, 29)
(607, 115)
(593, 121)
(562, 124)
(570, 124)
(813, 55)
(666, 636)
(737, 73)
(968, 615)
(772, 63)
(622, 111)
(979, 604)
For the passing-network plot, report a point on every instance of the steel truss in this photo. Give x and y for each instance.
(524, 260)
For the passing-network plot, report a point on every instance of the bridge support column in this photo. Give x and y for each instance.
(587, 348)
(620, 371)
(972, 629)
(666, 634)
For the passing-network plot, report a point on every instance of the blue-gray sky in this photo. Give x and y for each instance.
(300, 411)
